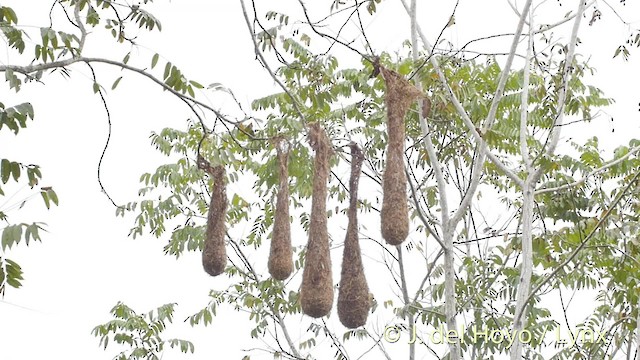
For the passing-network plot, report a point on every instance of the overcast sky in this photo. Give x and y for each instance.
(86, 263)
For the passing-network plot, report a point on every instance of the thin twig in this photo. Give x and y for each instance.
(264, 63)
(106, 144)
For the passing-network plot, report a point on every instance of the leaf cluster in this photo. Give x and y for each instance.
(141, 333)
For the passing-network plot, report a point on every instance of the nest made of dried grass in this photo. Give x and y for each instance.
(316, 291)
(353, 292)
(214, 255)
(281, 254)
(399, 96)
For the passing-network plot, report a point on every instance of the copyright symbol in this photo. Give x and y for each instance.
(391, 334)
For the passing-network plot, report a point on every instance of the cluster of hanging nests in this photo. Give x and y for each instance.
(316, 292)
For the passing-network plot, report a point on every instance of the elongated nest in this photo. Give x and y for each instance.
(353, 295)
(214, 255)
(280, 255)
(316, 292)
(399, 96)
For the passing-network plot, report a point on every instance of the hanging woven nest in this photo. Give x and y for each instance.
(280, 255)
(353, 295)
(214, 255)
(399, 96)
(316, 291)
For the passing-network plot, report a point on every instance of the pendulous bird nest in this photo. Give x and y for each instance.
(353, 296)
(399, 96)
(280, 254)
(316, 292)
(214, 255)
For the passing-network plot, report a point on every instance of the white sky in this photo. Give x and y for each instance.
(86, 262)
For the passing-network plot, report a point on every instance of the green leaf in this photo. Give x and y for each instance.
(167, 70)
(8, 14)
(25, 108)
(196, 84)
(154, 60)
(96, 88)
(16, 232)
(14, 273)
(53, 196)
(7, 237)
(15, 170)
(371, 8)
(5, 170)
(126, 58)
(33, 231)
(305, 39)
(45, 197)
(115, 83)
(617, 52)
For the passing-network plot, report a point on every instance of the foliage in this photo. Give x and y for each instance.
(140, 333)
(582, 241)
(13, 119)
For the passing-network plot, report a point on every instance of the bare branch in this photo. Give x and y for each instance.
(507, 69)
(526, 268)
(433, 158)
(378, 343)
(447, 245)
(543, 28)
(106, 144)
(524, 107)
(421, 214)
(334, 39)
(406, 300)
(469, 123)
(426, 277)
(568, 67)
(83, 30)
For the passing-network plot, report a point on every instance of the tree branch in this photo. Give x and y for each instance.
(264, 63)
(584, 242)
(334, 39)
(526, 268)
(83, 30)
(504, 75)
(379, 345)
(433, 158)
(274, 311)
(590, 174)
(542, 29)
(426, 277)
(447, 245)
(421, 214)
(568, 67)
(27, 70)
(468, 122)
(407, 301)
(524, 107)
